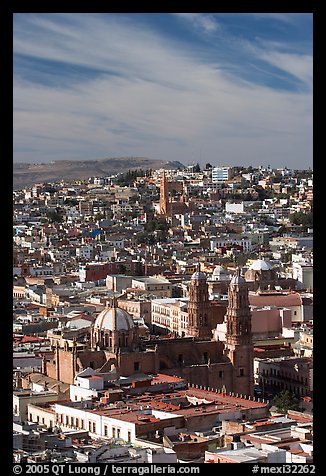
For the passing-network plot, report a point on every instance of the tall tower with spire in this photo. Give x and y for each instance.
(239, 346)
(199, 306)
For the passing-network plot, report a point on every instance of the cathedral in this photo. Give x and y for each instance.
(115, 345)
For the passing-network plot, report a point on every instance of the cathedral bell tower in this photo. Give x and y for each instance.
(239, 347)
(199, 307)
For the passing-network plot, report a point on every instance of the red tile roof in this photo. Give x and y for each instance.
(274, 299)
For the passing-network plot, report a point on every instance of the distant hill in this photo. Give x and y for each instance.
(25, 175)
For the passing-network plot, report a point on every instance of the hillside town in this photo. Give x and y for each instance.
(164, 316)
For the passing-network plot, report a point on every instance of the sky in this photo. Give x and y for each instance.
(224, 88)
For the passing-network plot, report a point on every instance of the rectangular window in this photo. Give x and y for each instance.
(113, 432)
(129, 436)
(136, 365)
(241, 372)
(118, 433)
(67, 420)
(30, 417)
(71, 421)
(82, 424)
(89, 426)
(43, 421)
(105, 430)
(77, 422)
(94, 427)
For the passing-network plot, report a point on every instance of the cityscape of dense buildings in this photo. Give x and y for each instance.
(164, 316)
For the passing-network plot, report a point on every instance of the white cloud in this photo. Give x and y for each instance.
(202, 21)
(300, 66)
(162, 102)
(288, 18)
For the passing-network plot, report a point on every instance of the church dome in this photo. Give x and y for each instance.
(114, 319)
(261, 265)
(198, 275)
(237, 279)
(220, 273)
(219, 270)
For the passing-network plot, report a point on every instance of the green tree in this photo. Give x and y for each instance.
(121, 268)
(240, 259)
(138, 268)
(71, 202)
(301, 218)
(54, 216)
(285, 401)
(142, 238)
(99, 216)
(156, 225)
(197, 168)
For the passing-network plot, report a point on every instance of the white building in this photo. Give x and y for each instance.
(171, 315)
(221, 174)
(234, 207)
(228, 241)
(86, 385)
(303, 272)
(158, 286)
(117, 421)
(85, 252)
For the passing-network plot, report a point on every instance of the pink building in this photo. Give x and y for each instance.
(267, 321)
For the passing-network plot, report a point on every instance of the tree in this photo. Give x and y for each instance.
(197, 168)
(301, 218)
(99, 216)
(240, 259)
(138, 268)
(208, 166)
(54, 216)
(142, 238)
(285, 401)
(121, 268)
(157, 224)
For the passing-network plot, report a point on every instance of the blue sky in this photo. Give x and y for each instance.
(224, 88)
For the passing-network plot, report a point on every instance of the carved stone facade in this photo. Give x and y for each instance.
(115, 345)
(239, 346)
(199, 308)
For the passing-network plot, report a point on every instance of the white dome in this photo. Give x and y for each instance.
(261, 265)
(114, 319)
(219, 270)
(237, 280)
(198, 275)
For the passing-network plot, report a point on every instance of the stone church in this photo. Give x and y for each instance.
(115, 345)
